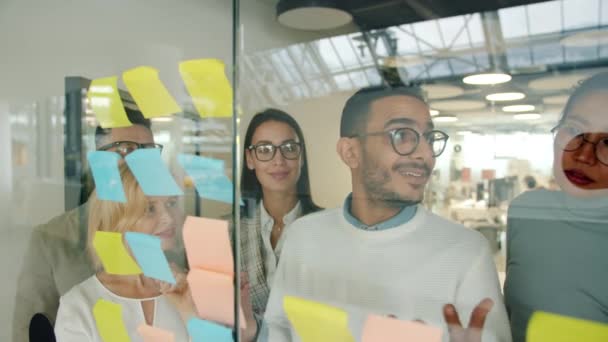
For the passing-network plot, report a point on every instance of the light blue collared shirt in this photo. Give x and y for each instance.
(402, 217)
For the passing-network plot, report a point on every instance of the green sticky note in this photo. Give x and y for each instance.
(108, 318)
(317, 322)
(113, 254)
(148, 91)
(549, 327)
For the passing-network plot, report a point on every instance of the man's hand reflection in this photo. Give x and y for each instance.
(472, 333)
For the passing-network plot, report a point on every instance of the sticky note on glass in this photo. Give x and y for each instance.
(317, 322)
(211, 276)
(148, 91)
(151, 173)
(203, 331)
(105, 102)
(153, 334)
(386, 329)
(104, 166)
(208, 176)
(548, 327)
(150, 256)
(113, 255)
(109, 321)
(207, 243)
(208, 86)
(213, 296)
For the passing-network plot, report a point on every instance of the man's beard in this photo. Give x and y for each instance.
(375, 180)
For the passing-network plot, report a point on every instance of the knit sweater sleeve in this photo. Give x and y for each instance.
(479, 282)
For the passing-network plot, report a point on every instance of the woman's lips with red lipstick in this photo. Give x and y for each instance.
(578, 177)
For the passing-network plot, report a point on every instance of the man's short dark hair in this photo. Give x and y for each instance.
(356, 109)
(135, 117)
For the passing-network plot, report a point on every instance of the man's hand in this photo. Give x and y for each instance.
(478, 318)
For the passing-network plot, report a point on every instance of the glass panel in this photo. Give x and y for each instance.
(553, 19)
(355, 199)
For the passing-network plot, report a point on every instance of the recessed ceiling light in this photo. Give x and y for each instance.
(487, 78)
(441, 91)
(518, 108)
(445, 118)
(464, 132)
(162, 119)
(434, 112)
(312, 15)
(505, 96)
(526, 116)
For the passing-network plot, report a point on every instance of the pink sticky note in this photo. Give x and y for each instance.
(207, 243)
(213, 295)
(152, 334)
(386, 329)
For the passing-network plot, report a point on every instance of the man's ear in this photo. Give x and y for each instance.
(349, 150)
(249, 159)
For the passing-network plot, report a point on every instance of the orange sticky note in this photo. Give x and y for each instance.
(105, 102)
(109, 322)
(549, 327)
(148, 91)
(153, 334)
(213, 295)
(115, 258)
(317, 322)
(386, 329)
(207, 243)
(211, 276)
(208, 86)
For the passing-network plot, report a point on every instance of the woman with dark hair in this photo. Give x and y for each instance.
(275, 187)
(557, 240)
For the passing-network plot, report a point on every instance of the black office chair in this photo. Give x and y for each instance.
(41, 329)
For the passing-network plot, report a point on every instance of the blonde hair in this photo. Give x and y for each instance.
(109, 216)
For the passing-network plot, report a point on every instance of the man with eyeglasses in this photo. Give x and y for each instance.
(382, 252)
(56, 258)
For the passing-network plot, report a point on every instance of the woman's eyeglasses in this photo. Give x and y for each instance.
(406, 140)
(570, 138)
(265, 151)
(125, 147)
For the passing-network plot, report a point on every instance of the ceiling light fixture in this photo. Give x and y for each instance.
(434, 112)
(445, 118)
(162, 119)
(527, 116)
(496, 97)
(487, 78)
(312, 15)
(518, 108)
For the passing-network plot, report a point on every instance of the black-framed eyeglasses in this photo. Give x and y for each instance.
(570, 138)
(406, 140)
(125, 147)
(290, 150)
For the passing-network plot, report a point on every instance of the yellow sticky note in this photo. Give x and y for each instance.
(316, 322)
(115, 258)
(148, 91)
(108, 318)
(105, 102)
(548, 327)
(208, 86)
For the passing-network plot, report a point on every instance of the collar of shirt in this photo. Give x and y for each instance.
(267, 221)
(402, 217)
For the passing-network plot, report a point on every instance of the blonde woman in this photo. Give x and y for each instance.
(142, 299)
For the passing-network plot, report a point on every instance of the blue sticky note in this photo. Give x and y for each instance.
(204, 331)
(104, 165)
(208, 176)
(150, 256)
(151, 173)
